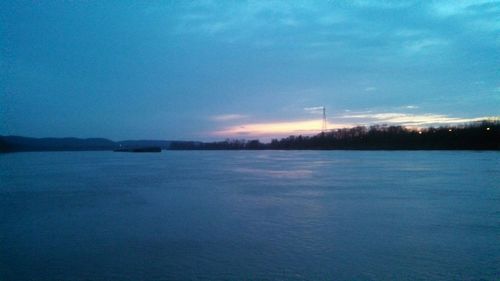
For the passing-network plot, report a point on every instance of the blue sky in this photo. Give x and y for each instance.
(215, 69)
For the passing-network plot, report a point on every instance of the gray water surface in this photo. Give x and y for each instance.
(250, 215)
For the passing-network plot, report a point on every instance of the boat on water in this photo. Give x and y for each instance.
(139, 149)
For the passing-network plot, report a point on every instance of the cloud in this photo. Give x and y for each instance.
(370, 89)
(411, 107)
(409, 32)
(406, 119)
(423, 45)
(328, 20)
(337, 29)
(460, 7)
(313, 126)
(314, 110)
(237, 17)
(228, 117)
(478, 15)
(382, 4)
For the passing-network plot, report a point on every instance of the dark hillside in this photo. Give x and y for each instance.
(16, 143)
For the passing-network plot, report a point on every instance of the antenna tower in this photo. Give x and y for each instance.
(323, 125)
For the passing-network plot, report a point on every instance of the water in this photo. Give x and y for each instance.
(250, 215)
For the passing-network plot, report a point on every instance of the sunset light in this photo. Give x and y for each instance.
(272, 129)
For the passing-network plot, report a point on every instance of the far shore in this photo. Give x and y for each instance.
(483, 135)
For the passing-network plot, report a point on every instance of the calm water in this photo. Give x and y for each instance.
(262, 215)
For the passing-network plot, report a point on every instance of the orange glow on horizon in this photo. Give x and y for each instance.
(268, 130)
(304, 127)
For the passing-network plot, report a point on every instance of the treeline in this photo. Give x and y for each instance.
(483, 135)
(229, 144)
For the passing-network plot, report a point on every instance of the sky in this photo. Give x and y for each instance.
(210, 70)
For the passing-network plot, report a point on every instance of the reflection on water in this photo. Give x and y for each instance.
(253, 215)
(290, 174)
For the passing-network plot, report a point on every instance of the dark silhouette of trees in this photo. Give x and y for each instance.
(228, 144)
(484, 135)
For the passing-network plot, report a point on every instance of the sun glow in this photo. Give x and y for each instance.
(268, 130)
(271, 129)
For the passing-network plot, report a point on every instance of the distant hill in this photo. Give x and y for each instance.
(17, 143)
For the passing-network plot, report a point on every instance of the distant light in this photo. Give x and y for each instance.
(419, 132)
(450, 130)
(487, 129)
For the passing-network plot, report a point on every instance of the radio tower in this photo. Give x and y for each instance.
(323, 125)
